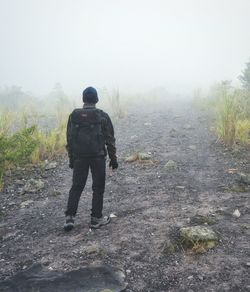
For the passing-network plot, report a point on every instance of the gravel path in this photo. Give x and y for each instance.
(151, 204)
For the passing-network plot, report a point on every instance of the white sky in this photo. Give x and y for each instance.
(134, 44)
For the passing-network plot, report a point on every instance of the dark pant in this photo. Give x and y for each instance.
(97, 166)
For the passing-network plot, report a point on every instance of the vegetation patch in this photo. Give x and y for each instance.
(198, 239)
(231, 108)
(22, 143)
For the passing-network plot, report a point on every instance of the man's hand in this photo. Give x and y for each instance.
(113, 163)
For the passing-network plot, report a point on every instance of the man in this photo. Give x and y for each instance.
(90, 136)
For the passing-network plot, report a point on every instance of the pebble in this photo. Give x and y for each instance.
(236, 213)
(180, 187)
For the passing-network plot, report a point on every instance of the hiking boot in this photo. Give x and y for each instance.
(98, 222)
(69, 223)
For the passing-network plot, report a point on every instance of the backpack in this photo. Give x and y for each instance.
(86, 135)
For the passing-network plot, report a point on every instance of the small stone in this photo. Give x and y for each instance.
(56, 193)
(132, 158)
(128, 272)
(187, 127)
(248, 264)
(51, 165)
(20, 182)
(34, 185)
(170, 165)
(236, 213)
(180, 187)
(144, 156)
(192, 147)
(190, 277)
(200, 277)
(112, 215)
(92, 249)
(26, 203)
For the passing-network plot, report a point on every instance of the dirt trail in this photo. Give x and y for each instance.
(150, 202)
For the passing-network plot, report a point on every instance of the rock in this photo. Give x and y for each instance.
(192, 147)
(87, 279)
(112, 215)
(20, 182)
(33, 185)
(138, 156)
(170, 165)
(132, 158)
(198, 234)
(200, 277)
(248, 264)
(26, 203)
(50, 165)
(236, 213)
(244, 178)
(144, 156)
(56, 193)
(94, 248)
(180, 188)
(187, 127)
(172, 133)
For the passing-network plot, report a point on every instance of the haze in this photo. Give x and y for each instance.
(130, 44)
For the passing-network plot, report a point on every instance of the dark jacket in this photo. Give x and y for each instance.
(107, 130)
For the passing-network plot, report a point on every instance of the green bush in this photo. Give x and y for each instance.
(231, 108)
(16, 149)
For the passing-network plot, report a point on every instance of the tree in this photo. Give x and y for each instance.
(245, 77)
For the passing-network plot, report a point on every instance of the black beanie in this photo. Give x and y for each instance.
(89, 95)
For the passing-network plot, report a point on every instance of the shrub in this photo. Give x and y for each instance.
(16, 149)
(22, 143)
(51, 143)
(232, 112)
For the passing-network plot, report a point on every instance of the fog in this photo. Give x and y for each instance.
(126, 44)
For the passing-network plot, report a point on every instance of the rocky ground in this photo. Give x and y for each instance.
(151, 201)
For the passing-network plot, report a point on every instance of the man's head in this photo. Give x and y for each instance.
(89, 95)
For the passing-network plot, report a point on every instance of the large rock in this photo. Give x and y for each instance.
(87, 279)
(33, 185)
(199, 235)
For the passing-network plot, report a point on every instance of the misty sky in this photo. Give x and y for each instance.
(134, 44)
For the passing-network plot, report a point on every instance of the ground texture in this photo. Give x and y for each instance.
(151, 203)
